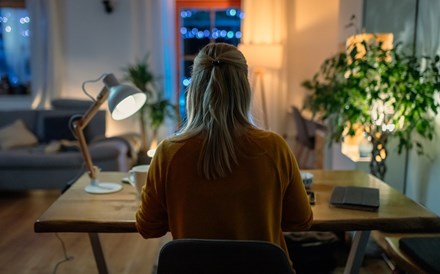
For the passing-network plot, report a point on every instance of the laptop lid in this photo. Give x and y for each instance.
(355, 197)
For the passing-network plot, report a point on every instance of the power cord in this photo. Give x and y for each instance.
(66, 257)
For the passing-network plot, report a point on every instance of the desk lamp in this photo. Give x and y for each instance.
(123, 101)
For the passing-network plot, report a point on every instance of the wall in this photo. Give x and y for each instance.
(316, 30)
(97, 42)
(312, 37)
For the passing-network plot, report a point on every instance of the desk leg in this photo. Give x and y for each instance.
(357, 252)
(97, 251)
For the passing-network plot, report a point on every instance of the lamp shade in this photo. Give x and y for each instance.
(262, 55)
(123, 100)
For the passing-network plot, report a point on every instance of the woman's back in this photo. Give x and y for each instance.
(221, 177)
(247, 204)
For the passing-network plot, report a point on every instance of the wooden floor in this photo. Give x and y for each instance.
(24, 251)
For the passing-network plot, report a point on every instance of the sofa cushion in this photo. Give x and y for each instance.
(16, 135)
(57, 128)
(71, 104)
(53, 125)
(29, 118)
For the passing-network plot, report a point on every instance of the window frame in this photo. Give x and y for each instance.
(193, 4)
(17, 4)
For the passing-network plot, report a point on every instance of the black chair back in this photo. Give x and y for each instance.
(197, 256)
(304, 135)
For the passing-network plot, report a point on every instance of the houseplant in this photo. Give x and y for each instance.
(383, 91)
(157, 108)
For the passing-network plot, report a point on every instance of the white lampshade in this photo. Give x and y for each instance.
(262, 55)
(123, 100)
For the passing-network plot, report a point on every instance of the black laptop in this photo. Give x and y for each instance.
(424, 251)
(355, 197)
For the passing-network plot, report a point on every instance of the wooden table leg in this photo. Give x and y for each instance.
(357, 252)
(99, 255)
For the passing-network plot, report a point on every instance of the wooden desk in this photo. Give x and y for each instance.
(78, 211)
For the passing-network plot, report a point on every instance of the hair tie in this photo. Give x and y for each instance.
(215, 62)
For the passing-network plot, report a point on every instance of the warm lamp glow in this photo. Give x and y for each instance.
(151, 152)
(262, 55)
(127, 106)
(356, 41)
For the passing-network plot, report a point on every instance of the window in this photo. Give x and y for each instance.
(15, 74)
(200, 23)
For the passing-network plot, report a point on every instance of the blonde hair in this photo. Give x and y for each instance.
(218, 106)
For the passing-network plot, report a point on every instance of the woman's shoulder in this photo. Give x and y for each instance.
(173, 144)
(265, 136)
(266, 141)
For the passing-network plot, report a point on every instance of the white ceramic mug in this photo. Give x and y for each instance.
(137, 177)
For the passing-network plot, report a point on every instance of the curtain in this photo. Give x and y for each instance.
(265, 23)
(46, 56)
(423, 172)
(154, 34)
(428, 34)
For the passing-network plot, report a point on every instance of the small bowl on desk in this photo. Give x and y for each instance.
(307, 178)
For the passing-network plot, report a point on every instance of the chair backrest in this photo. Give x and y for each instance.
(198, 256)
(304, 136)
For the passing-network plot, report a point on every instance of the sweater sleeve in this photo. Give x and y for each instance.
(151, 216)
(297, 213)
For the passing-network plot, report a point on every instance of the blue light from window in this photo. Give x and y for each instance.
(214, 34)
(185, 13)
(24, 20)
(15, 71)
(186, 82)
(231, 12)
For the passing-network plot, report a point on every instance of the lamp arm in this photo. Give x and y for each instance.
(79, 130)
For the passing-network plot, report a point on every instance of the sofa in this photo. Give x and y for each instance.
(38, 149)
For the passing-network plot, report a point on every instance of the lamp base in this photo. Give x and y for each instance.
(102, 188)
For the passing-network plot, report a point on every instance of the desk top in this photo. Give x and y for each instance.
(79, 211)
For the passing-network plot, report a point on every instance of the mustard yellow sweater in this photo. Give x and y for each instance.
(263, 196)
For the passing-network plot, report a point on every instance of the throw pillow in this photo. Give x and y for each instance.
(57, 128)
(16, 135)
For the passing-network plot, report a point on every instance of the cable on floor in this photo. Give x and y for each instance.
(66, 257)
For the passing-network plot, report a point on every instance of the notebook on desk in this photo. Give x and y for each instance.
(354, 197)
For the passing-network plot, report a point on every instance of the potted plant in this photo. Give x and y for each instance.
(157, 108)
(158, 111)
(383, 91)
